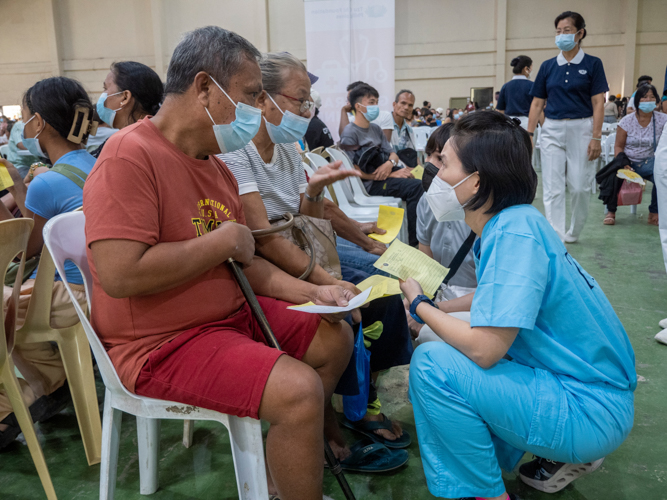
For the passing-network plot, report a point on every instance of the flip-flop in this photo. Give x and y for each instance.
(367, 427)
(369, 457)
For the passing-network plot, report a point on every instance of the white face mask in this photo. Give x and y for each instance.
(442, 199)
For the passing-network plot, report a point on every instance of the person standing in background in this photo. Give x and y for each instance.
(317, 134)
(515, 98)
(573, 84)
(611, 110)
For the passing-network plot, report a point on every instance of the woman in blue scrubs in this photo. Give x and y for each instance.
(566, 393)
(515, 98)
(573, 84)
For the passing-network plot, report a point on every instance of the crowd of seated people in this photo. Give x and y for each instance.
(189, 169)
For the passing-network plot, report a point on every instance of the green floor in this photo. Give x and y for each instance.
(627, 262)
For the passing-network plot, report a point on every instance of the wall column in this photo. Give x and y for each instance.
(156, 17)
(52, 33)
(501, 42)
(630, 48)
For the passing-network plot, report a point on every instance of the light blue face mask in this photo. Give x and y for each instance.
(32, 144)
(236, 135)
(291, 129)
(565, 41)
(372, 112)
(106, 115)
(647, 107)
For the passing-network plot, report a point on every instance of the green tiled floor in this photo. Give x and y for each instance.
(627, 262)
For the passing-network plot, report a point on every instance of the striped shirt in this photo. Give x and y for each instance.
(279, 183)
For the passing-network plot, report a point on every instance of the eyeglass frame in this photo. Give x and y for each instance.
(306, 104)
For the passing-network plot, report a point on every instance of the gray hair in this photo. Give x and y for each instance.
(403, 91)
(217, 51)
(275, 66)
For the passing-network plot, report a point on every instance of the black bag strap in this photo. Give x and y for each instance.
(76, 175)
(460, 257)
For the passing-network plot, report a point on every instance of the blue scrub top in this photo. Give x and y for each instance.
(528, 280)
(569, 86)
(51, 194)
(515, 98)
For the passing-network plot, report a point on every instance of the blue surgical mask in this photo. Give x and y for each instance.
(565, 41)
(32, 144)
(106, 115)
(236, 135)
(291, 129)
(372, 112)
(647, 107)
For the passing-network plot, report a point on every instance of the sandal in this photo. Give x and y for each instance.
(610, 219)
(369, 457)
(368, 428)
(653, 220)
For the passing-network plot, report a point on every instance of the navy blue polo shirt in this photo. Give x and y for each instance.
(515, 98)
(569, 86)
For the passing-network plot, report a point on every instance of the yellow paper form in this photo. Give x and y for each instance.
(5, 179)
(404, 261)
(392, 285)
(418, 172)
(390, 219)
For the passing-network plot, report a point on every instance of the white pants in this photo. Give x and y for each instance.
(428, 335)
(660, 179)
(564, 155)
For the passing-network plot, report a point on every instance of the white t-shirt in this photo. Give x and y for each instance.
(279, 183)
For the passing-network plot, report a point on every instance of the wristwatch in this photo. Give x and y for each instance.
(413, 307)
(394, 163)
(314, 199)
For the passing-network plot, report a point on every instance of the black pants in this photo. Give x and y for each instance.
(408, 190)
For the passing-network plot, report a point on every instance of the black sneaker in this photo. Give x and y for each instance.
(550, 476)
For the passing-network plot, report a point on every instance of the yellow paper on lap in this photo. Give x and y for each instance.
(390, 219)
(418, 172)
(630, 176)
(5, 179)
(392, 285)
(403, 261)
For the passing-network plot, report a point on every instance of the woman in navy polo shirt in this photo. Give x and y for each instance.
(573, 85)
(515, 98)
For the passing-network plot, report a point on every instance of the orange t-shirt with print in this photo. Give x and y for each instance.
(144, 188)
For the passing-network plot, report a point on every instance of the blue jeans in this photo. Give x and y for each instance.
(353, 258)
(645, 169)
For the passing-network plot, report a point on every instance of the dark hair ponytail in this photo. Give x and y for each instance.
(577, 20)
(144, 84)
(519, 63)
(56, 100)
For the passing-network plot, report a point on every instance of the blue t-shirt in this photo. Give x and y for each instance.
(51, 194)
(569, 86)
(515, 98)
(528, 280)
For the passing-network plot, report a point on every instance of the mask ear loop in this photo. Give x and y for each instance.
(275, 104)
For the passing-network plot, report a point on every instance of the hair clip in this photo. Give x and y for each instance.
(87, 127)
(515, 121)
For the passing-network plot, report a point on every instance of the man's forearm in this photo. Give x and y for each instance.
(269, 281)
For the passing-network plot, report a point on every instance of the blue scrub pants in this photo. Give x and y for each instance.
(471, 421)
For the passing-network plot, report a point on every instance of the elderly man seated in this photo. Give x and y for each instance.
(163, 216)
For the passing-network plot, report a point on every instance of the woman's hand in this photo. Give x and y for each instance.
(15, 175)
(411, 288)
(594, 149)
(327, 175)
(335, 295)
(370, 228)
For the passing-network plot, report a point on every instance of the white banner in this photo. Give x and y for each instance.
(348, 41)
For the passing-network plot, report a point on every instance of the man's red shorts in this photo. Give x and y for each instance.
(224, 366)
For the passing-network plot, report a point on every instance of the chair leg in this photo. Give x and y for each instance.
(75, 353)
(148, 434)
(11, 385)
(633, 209)
(188, 432)
(110, 444)
(245, 436)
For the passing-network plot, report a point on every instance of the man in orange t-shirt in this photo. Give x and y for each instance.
(163, 215)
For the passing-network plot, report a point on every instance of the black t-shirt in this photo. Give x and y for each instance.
(318, 134)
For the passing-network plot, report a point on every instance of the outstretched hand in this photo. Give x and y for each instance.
(327, 175)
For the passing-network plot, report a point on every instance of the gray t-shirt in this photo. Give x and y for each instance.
(354, 135)
(445, 239)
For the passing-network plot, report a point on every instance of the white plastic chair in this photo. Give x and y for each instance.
(4, 150)
(421, 137)
(608, 149)
(65, 238)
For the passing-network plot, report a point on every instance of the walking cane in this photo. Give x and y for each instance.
(332, 461)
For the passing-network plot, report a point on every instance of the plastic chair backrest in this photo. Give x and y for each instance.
(354, 185)
(65, 237)
(609, 145)
(310, 172)
(14, 236)
(421, 137)
(338, 188)
(4, 150)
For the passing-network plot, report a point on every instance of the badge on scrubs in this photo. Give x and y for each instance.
(630, 176)
(582, 71)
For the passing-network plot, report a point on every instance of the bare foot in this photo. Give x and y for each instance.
(384, 433)
(340, 450)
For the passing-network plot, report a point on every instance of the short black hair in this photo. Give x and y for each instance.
(56, 100)
(426, 103)
(641, 93)
(577, 20)
(415, 112)
(612, 98)
(355, 84)
(495, 146)
(644, 78)
(438, 139)
(361, 91)
(144, 84)
(519, 63)
(403, 91)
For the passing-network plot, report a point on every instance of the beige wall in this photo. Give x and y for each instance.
(443, 47)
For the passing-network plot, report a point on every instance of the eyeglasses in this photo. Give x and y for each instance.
(306, 104)
(566, 31)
